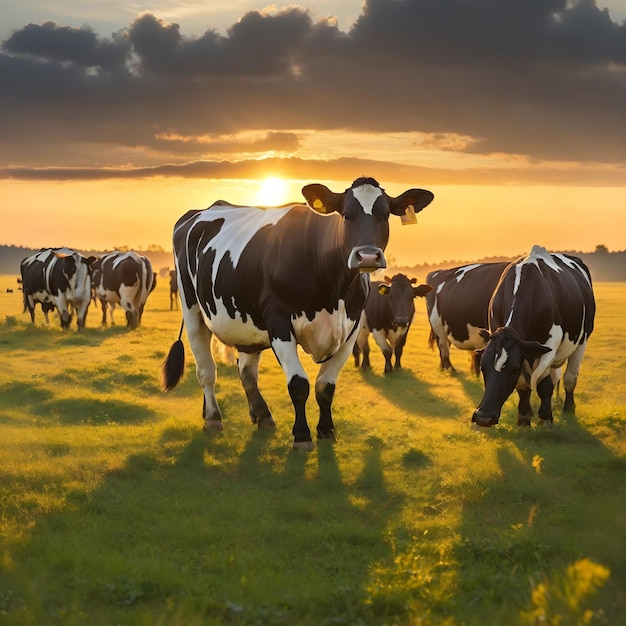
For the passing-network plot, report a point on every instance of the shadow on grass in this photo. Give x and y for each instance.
(404, 389)
(93, 411)
(204, 530)
(550, 520)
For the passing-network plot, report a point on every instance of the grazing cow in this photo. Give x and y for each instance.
(388, 315)
(123, 278)
(278, 278)
(173, 290)
(458, 309)
(540, 316)
(57, 278)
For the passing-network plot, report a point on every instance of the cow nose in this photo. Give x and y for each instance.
(366, 259)
(484, 419)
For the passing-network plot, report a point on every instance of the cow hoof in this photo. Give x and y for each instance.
(330, 435)
(307, 446)
(213, 425)
(524, 422)
(266, 423)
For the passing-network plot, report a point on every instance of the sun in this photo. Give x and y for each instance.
(273, 192)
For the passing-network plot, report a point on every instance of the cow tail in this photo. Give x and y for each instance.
(431, 339)
(173, 367)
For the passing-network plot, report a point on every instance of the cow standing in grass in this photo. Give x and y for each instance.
(541, 315)
(458, 309)
(387, 316)
(173, 290)
(280, 278)
(57, 278)
(127, 279)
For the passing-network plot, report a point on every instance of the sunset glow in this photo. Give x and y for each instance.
(274, 191)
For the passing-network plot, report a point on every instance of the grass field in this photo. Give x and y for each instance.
(116, 508)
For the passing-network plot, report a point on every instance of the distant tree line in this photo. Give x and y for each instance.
(603, 264)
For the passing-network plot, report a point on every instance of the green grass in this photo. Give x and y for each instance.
(116, 508)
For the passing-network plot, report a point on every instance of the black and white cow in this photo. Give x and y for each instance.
(388, 315)
(458, 309)
(57, 278)
(278, 278)
(124, 278)
(540, 316)
(173, 290)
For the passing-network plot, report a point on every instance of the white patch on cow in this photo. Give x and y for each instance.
(464, 270)
(500, 360)
(475, 341)
(367, 196)
(324, 335)
(545, 363)
(239, 226)
(287, 355)
(440, 288)
(234, 331)
(573, 265)
(394, 335)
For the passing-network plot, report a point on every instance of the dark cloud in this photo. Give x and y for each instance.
(543, 78)
(335, 169)
(74, 45)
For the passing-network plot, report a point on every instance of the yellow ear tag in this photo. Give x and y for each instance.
(409, 216)
(319, 205)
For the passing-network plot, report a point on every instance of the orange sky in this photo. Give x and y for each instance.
(463, 222)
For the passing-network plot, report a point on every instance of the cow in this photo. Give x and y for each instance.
(388, 314)
(458, 308)
(173, 290)
(541, 315)
(280, 278)
(124, 278)
(57, 278)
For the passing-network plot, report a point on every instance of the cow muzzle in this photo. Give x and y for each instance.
(366, 259)
(485, 419)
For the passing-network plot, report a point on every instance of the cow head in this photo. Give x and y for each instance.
(401, 292)
(365, 209)
(501, 364)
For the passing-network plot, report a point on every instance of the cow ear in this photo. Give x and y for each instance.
(321, 199)
(421, 291)
(387, 280)
(383, 289)
(484, 334)
(532, 350)
(417, 198)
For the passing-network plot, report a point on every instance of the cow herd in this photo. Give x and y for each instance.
(63, 279)
(296, 278)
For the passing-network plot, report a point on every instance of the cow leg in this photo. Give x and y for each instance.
(475, 365)
(325, 390)
(545, 387)
(298, 386)
(199, 337)
(399, 348)
(248, 367)
(570, 378)
(524, 410)
(444, 354)
(103, 304)
(380, 337)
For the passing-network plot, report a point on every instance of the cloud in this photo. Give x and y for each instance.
(542, 78)
(331, 169)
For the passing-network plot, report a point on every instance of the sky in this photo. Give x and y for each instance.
(118, 117)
